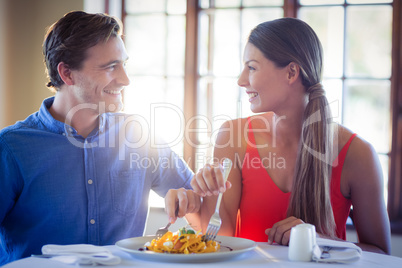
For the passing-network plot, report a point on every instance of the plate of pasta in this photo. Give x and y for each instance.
(185, 246)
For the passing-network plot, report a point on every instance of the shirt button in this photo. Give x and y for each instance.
(90, 181)
(92, 221)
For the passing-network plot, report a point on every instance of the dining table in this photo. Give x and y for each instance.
(262, 255)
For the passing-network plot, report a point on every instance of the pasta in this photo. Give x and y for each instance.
(182, 242)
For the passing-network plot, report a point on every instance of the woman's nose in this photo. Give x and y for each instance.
(242, 81)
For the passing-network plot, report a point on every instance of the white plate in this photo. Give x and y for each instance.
(230, 247)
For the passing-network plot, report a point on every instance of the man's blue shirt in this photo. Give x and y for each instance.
(58, 188)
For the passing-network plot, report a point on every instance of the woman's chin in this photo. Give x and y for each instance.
(256, 109)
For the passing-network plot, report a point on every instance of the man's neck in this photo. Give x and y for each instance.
(83, 120)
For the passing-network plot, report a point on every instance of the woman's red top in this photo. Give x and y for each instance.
(263, 203)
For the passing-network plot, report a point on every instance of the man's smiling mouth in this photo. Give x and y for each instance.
(113, 92)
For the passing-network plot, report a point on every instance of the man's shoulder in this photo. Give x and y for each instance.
(20, 126)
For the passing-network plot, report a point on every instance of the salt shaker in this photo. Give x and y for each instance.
(302, 242)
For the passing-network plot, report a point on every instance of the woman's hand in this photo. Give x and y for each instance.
(187, 201)
(280, 231)
(209, 181)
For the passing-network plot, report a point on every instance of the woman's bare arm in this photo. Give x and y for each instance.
(209, 181)
(362, 172)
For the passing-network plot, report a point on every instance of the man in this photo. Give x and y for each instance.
(78, 171)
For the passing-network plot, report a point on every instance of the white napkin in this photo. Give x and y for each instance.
(340, 252)
(81, 254)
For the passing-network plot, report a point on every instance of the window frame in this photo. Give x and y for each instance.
(395, 168)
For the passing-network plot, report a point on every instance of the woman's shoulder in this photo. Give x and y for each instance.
(231, 128)
(237, 127)
(358, 146)
(235, 122)
(361, 161)
(257, 118)
(234, 133)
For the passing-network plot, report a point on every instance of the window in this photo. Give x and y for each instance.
(155, 41)
(186, 56)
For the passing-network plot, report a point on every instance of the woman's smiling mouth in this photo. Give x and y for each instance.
(252, 95)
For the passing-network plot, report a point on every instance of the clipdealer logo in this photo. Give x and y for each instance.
(198, 124)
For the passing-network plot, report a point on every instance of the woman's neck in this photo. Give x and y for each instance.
(289, 122)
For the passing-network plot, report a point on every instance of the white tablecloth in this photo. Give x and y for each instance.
(263, 255)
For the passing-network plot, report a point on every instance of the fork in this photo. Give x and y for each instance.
(215, 221)
(163, 230)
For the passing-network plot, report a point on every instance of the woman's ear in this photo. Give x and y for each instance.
(65, 73)
(293, 72)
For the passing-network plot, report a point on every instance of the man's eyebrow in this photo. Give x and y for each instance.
(113, 62)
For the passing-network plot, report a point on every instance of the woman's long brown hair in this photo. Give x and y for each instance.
(289, 40)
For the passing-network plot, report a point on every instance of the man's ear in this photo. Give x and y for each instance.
(65, 73)
(293, 72)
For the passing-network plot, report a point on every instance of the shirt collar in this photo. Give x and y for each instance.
(47, 119)
(56, 126)
(102, 122)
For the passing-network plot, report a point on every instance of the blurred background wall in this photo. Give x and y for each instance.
(2, 63)
(23, 24)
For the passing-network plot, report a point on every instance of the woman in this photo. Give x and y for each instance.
(291, 163)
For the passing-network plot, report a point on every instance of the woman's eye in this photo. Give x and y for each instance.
(251, 68)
